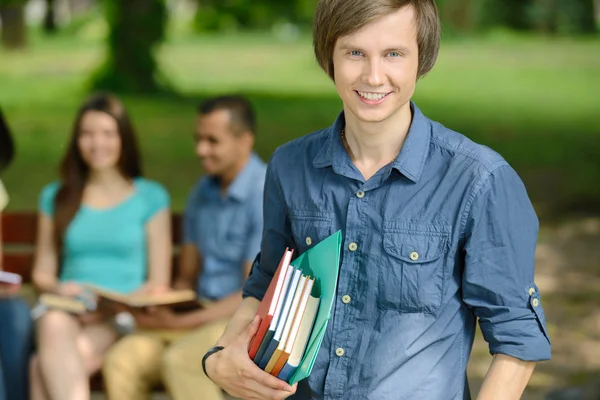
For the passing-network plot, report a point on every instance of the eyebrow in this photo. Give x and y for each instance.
(400, 49)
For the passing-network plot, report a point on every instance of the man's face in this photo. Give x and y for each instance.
(375, 68)
(219, 149)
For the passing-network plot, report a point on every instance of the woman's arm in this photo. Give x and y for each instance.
(45, 266)
(160, 249)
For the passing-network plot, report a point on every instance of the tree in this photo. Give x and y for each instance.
(13, 31)
(137, 27)
(50, 17)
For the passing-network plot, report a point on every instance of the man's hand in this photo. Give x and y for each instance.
(155, 318)
(233, 371)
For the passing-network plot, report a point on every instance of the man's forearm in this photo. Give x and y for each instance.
(221, 309)
(240, 320)
(506, 379)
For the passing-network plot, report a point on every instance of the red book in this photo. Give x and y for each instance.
(267, 306)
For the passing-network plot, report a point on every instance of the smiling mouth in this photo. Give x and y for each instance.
(372, 96)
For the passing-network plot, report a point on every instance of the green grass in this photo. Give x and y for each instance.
(533, 100)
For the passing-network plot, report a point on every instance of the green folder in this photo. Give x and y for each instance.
(322, 262)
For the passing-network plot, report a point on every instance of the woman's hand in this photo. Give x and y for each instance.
(69, 289)
(8, 290)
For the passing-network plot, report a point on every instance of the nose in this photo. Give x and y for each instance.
(373, 74)
(202, 148)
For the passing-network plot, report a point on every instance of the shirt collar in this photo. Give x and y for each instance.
(239, 189)
(409, 162)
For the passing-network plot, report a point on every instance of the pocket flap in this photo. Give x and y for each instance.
(414, 247)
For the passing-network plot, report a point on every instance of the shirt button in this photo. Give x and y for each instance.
(346, 299)
(339, 352)
(308, 240)
(535, 302)
(353, 246)
(360, 194)
(414, 256)
(531, 291)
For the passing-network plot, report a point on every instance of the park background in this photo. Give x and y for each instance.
(521, 76)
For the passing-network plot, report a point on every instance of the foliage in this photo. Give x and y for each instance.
(137, 27)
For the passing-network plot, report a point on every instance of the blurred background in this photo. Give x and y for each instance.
(521, 76)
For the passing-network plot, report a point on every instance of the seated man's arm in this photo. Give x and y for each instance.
(500, 230)
(221, 309)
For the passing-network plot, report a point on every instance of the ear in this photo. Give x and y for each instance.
(247, 138)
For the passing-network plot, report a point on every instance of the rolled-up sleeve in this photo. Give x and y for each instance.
(501, 230)
(276, 235)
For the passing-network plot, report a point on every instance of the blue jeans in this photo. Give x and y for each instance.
(16, 334)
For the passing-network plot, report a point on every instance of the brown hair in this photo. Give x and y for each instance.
(73, 169)
(337, 18)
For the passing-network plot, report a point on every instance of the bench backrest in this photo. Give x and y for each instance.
(19, 234)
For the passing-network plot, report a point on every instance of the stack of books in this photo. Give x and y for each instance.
(295, 310)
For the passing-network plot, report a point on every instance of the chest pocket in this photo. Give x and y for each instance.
(310, 229)
(413, 269)
(223, 235)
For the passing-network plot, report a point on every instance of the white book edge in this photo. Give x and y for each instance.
(304, 334)
(293, 310)
(287, 259)
(299, 315)
(279, 300)
(288, 303)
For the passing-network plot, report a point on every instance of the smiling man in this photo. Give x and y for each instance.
(221, 236)
(438, 231)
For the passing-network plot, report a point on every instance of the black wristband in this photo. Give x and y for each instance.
(209, 353)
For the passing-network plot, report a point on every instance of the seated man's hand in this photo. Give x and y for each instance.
(234, 371)
(155, 318)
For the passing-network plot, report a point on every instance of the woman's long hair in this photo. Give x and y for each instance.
(7, 146)
(74, 171)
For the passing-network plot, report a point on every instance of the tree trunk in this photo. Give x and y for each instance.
(137, 27)
(50, 17)
(597, 11)
(13, 34)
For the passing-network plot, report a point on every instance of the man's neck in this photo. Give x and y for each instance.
(225, 180)
(375, 144)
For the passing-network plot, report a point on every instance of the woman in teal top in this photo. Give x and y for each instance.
(101, 224)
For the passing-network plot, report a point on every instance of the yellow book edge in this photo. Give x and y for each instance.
(63, 303)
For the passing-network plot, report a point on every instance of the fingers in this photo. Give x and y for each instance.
(252, 329)
(265, 379)
(263, 392)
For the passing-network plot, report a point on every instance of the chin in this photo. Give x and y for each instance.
(372, 116)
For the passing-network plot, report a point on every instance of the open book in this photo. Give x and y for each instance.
(178, 298)
(71, 305)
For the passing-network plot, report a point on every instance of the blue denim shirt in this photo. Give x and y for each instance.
(443, 235)
(226, 229)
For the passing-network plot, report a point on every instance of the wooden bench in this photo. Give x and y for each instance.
(18, 238)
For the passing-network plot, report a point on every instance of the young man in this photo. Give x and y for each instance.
(222, 234)
(438, 231)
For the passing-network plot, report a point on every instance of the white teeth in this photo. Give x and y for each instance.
(372, 96)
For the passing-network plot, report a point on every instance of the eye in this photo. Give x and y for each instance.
(356, 53)
(394, 54)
